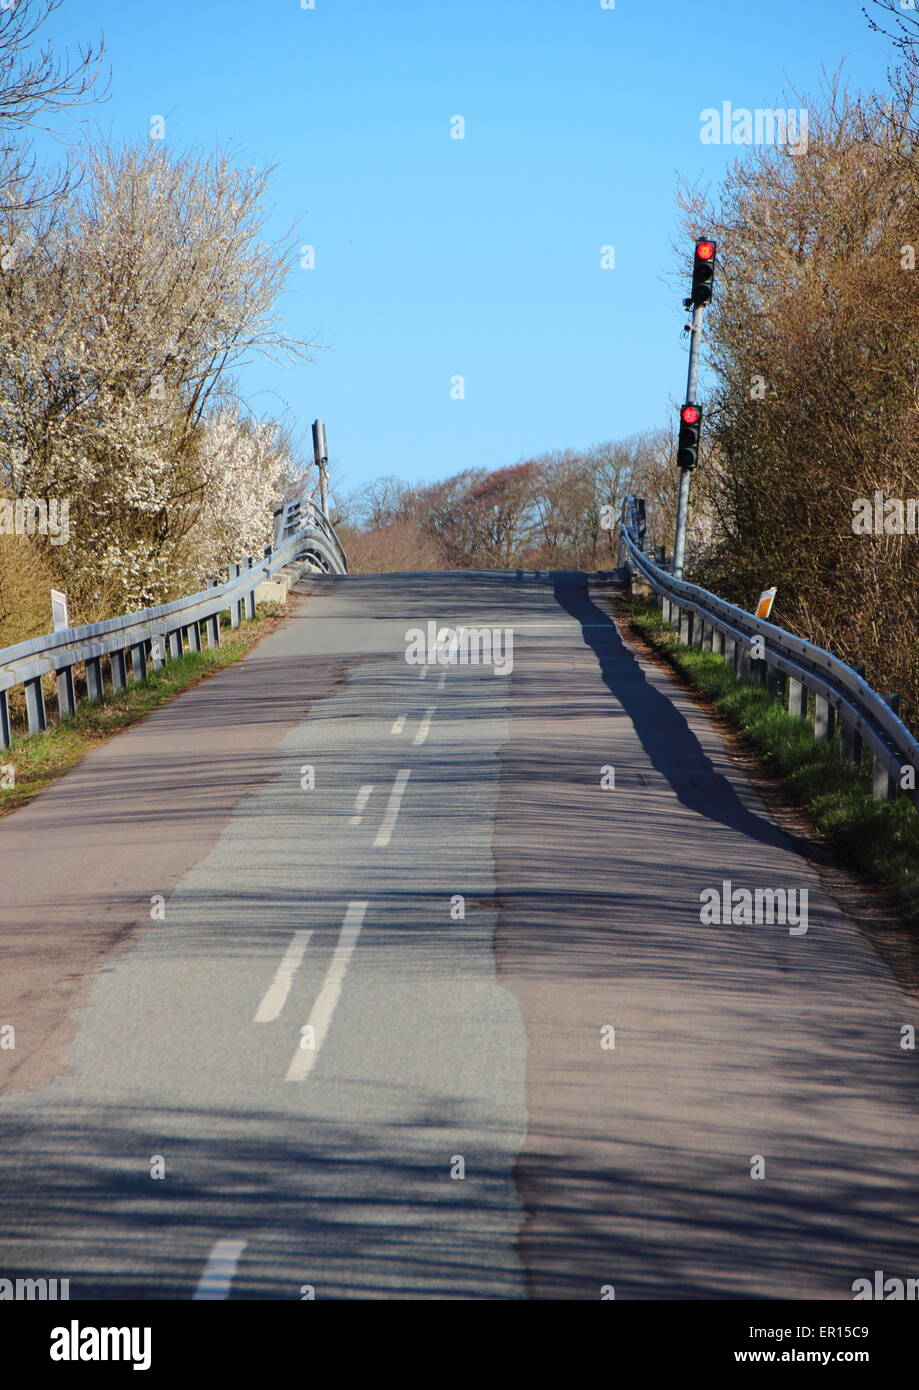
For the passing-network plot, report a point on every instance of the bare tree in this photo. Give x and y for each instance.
(485, 520)
(905, 31)
(35, 85)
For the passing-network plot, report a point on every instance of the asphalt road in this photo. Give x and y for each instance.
(315, 974)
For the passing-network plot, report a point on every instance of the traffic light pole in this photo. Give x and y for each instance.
(321, 460)
(682, 506)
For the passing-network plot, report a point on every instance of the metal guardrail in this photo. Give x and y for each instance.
(302, 534)
(755, 647)
(321, 545)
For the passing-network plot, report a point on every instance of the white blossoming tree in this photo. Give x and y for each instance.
(246, 470)
(121, 311)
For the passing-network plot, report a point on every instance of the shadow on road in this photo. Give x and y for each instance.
(664, 732)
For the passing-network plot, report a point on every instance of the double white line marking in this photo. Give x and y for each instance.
(425, 727)
(320, 1019)
(277, 992)
(321, 1016)
(218, 1274)
(360, 801)
(384, 834)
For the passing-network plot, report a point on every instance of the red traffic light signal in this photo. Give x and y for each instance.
(703, 272)
(687, 448)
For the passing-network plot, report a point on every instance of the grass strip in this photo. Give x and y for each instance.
(30, 764)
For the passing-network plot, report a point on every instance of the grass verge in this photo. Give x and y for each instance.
(878, 839)
(35, 762)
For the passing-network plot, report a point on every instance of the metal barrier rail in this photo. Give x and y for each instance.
(840, 692)
(299, 516)
(302, 534)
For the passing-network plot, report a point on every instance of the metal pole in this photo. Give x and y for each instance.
(321, 459)
(682, 506)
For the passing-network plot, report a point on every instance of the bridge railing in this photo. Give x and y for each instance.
(760, 651)
(302, 516)
(156, 635)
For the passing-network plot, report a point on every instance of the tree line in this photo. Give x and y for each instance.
(557, 510)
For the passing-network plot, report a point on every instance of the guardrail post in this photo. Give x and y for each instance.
(883, 786)
(212, 624)
(35, 706)
(193, 632)
(796, 697)
(66, 695)
(6, 731)
(174, 643)
(94, 688)
(158, 651)
(850, 742)
(730, 652)
(774, 678)
(707, 637)
(685, 621)
(824, 718)
(236, 570)
(250, 596)
(139, 661)
(744, 662)
(118, 671)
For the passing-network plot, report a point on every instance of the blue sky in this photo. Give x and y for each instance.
(480, 257)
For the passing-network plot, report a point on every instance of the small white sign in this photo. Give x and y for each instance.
(60, 618)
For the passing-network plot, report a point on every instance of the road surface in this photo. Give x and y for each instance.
(345, 978)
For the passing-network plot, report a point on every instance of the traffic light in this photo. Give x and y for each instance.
(703, 272)
(690, 428)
